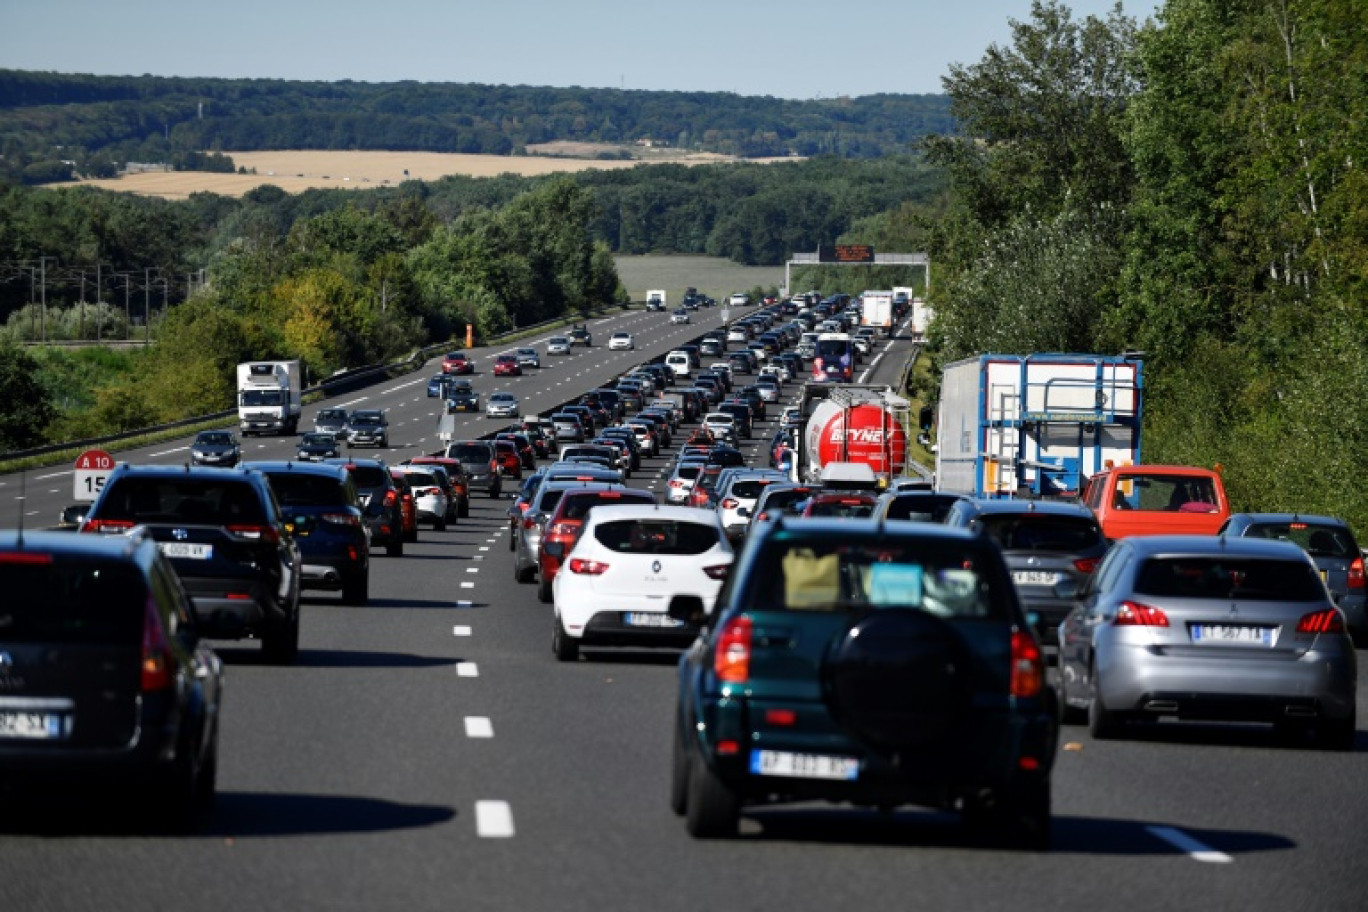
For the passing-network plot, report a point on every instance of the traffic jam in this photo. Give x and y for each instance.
(851, 627)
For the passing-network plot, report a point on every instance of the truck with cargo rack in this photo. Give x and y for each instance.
(1036, 425)
(270, 397)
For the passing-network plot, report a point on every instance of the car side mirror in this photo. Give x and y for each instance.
(687, 609)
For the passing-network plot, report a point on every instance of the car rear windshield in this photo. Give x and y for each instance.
(1038, 532)
(810, 573)
(421, 479)
(656, 536)
(369, 476)
(470, 452)
(295, 489)
(784, 500)
(749, 489)
(331, 415)
(846, 507)
(1316, 539)
(922, 508)
(189, 500)
(577, 506)
(318, 440)
(1166, 493)
(689, 470)
(1230, 578)
(71, 601)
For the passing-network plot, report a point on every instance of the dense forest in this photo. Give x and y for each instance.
(53, 125)
(1192, 189)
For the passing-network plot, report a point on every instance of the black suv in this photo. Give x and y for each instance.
(108, 686)
(380, 502)
(867, 663)
(323, 512)
(368, 427)
(580, 335)
(227, 539)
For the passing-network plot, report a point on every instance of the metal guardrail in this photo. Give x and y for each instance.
(360, 376)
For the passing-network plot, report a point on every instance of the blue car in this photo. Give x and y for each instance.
(436, 387)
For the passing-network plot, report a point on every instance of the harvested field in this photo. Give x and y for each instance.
(712, 276)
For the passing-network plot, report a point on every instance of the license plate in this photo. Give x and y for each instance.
(365, 499)
(644, 619)
(1034, 578)
(1232, 635)
(804, 766)
(188, 550)
(40, 726)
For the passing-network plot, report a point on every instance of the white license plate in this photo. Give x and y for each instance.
(1034, 578)
(804, 766)
(30, 725)
(1232, 635)
(188, 550)
(643, 619)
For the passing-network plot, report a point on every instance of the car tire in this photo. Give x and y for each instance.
(523, 574)
(356, 591)
(440, 524)
(395, 546)
(281, 645)
(679, 772)
(411, 536)
(1337, 734)
(1019, 817)
(711, 810)
(464, 511)
(494, 493)
(1103, 724)
(1068, 715)
(563, 646)
(544, 594)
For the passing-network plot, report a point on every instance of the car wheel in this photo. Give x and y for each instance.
(1018, 816)
(465, 508)
(1103, 724)
(495, 492)
(281, 645)
(565, 647)
(544, 590)
(411, 535)
(1068, 715)
(523, 574)
(356, 591)
(1336, 734)
(711, 810)
(679, 772)
(395, 546)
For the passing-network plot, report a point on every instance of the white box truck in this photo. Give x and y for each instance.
(876, 310)
(922, 315)
(655, 299)
(270, 397)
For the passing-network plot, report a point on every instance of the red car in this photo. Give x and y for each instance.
(457, 363)
(563, 528)
(510, 461)
(507, 366)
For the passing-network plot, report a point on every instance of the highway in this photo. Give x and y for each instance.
(428, 752)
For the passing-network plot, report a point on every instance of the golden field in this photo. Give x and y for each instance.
(297, 170)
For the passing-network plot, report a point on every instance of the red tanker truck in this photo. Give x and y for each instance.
(848, 423)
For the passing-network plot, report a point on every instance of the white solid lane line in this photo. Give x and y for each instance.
(353, 402)
(494, 819)
(1183, 842)
(478, 727)
(175, 450)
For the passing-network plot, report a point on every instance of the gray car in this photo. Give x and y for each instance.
(477, 460)
(502, 405)
(332, 421)
(1211, 627)
(1051, 549)
(528, 357)
(1332, 547)
(558, 345)
(215, 448)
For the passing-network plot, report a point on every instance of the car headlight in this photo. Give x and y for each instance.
(197, 454)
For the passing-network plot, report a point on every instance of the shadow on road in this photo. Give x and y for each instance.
(335, 658)
(1072, 835)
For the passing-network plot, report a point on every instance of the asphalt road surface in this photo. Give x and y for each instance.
(428, 752)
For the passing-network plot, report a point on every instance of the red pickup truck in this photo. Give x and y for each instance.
(1157, 500)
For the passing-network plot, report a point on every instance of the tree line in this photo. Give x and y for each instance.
(101, 122)
(1192, 188)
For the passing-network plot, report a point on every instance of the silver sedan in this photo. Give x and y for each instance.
(1209, 627)
(502, 405)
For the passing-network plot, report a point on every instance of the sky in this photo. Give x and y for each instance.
(799, 49)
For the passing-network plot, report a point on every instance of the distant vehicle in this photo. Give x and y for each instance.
(580, 335)
(1157, 500)
(679, 316)
(270, 397)
(368, 427)
(740, 299)
(558, 345)
(655, 300)
(528, 357)
(332, 421)
(381, 509)
(507, 366)
(215, 448)
(833, 358)
(876, 311)
(502, 405)
(461, 397)
(679, 363)
(318, 447)
(481, 466)
(621, 341)
(457, 363)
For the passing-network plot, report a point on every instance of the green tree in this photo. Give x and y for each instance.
(26, 408)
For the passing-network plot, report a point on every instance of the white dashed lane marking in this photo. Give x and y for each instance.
(461, 630)
(478, 727)
(467, 585)
(494, 819)
(467, 670)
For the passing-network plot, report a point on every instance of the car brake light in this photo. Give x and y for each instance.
(24, 557)
(255, 532)
(587, 567)
(1328, 620)
(731, 503)
(731, 660)
(565, 527)
(1028, 666)
(390, 497)
(717, 571)
(1134, 614)
(106, 526)
(676, 482)
(1086, 564)
(1355, 580)
(156, 652)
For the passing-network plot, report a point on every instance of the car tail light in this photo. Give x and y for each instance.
(731, 660)
(24, 557)
(341, 519)
(731, 503)
(717, 571)
(565, 527)
(255, 532)
(157, 660)
(528, 522)
(676, 482)
(780, 716)
(1086, 564)
(107, 526)
(1356, 574)
(587, 567)
(1028, 666)
(390, 497)
(1134, 614)
(1328, 620)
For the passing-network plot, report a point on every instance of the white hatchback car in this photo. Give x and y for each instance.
(621, 341)
(737, 335)
(428, 496)
(615, 586)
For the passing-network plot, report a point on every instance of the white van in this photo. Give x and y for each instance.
(740, 299)
(678, 362)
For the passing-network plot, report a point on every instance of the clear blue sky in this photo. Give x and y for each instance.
(785, 48)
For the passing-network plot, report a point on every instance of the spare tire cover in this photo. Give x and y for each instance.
(898, 678)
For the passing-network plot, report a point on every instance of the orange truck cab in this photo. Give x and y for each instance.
(1157, 500)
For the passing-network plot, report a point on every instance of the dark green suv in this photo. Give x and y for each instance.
(869, 663)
